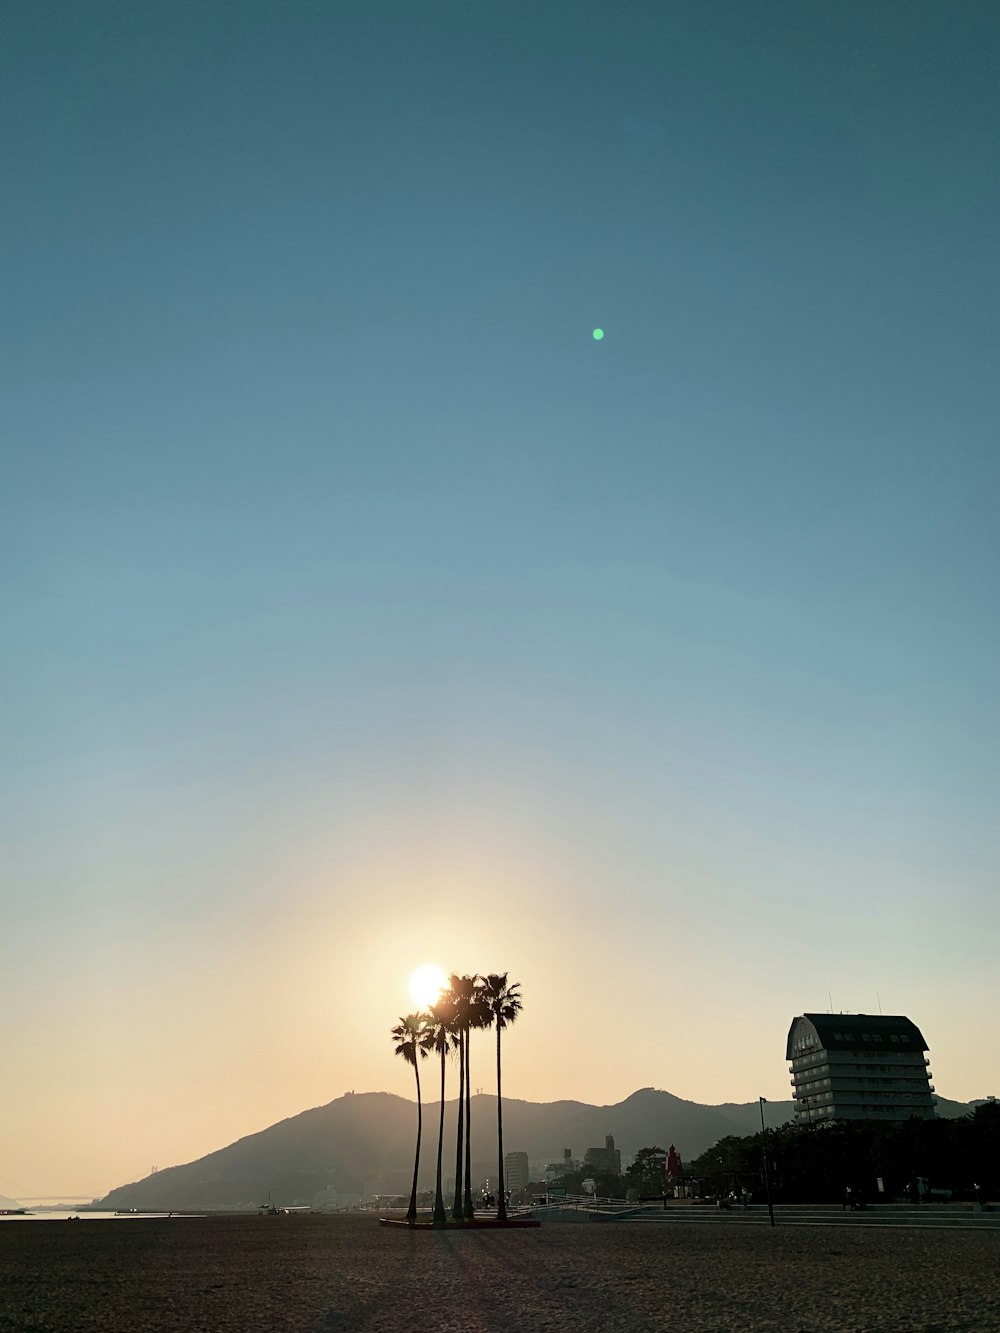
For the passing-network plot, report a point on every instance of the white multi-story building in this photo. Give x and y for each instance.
(858, 1067)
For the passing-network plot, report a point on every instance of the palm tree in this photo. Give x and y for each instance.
(412, 1041)
(504, 1002)
(480, 1016)
(464, 993)
(460, 992)
(441, 1022)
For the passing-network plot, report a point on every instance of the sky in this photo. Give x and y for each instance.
(361, 610)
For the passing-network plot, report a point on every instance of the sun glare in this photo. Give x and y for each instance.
(426, 984)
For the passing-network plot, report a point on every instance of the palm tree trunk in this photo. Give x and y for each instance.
(469, 1210)
(440, 1216)
(411, 1212)
(502, 1209)
(456, 1210)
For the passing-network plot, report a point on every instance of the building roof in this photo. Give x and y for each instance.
(843, 1030)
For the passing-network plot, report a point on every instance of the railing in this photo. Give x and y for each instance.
(590, 1203)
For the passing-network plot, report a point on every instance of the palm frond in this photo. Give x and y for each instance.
(410, 1038)
(504, 998)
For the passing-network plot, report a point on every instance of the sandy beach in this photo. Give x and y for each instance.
(325, 1273)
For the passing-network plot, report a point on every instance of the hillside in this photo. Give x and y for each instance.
(362, 1143)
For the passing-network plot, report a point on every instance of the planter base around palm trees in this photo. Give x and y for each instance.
(481, 1223)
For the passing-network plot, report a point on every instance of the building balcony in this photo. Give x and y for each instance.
(855, 1094)
(879, 1074)
(878, 1056)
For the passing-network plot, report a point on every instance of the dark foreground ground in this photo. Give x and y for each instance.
(325, 1273)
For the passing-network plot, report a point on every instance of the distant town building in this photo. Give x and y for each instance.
(567, 1166)
(858, 1067)
(608, 1158)
(515, 1171)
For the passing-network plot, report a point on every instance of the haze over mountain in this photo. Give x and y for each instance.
(362, 1144)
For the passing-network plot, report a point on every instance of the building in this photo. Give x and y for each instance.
(515, 1171)
(858, 1067)
(567, 1167)
(608, 1158)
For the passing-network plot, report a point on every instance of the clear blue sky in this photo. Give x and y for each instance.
(361, 610)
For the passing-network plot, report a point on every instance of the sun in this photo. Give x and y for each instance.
(426, 984)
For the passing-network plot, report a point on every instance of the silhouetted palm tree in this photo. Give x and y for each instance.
(479, 1017)
(460, 993)
(441, 1022)
(504, 1001)
(412, 1041)
(464, 993)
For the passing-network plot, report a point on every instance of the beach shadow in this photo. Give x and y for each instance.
(542, 1285)
(483, 1310)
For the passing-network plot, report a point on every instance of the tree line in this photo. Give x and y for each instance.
(467, 1004)
(816, 1163)
(647, 1174)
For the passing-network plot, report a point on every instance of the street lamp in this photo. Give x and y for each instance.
(767, 1173)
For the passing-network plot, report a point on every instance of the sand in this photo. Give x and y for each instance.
(345, 1272)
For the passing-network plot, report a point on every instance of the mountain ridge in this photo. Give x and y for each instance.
(362, 1144)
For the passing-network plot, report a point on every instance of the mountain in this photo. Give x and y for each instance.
(362, 1144)
(8, 1203)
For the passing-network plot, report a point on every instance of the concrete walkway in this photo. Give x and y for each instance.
(953, 1215)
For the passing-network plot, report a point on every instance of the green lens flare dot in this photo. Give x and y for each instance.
(598, 335)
